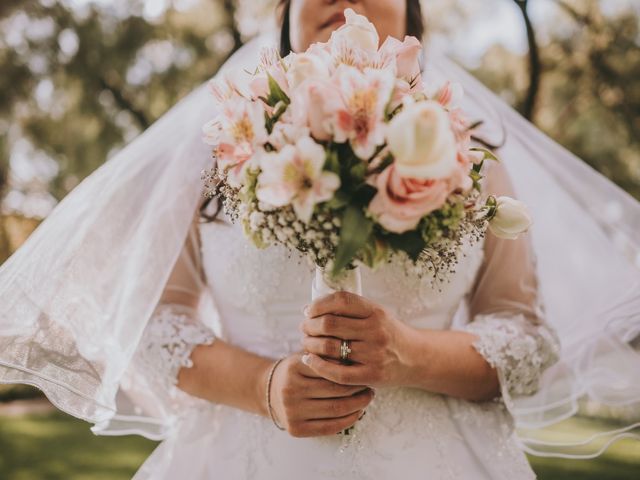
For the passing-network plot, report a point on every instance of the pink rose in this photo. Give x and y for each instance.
(401, 201)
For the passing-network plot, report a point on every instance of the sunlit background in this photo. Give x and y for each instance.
(81, 78)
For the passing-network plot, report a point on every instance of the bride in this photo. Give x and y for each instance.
(136, 307)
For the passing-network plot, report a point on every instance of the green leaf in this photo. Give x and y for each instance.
(354, 234)
(268, 123)
(488, 154)
(255, 237)
(332, 162)
(276, 94)
(386, 161)
(410, 242)
(248, 192)
(340, 199)
(358, 172)
(363, 194)
(281, 108)
(475, 177)
(374, 252)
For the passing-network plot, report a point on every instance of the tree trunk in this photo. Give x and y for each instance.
(535, 65)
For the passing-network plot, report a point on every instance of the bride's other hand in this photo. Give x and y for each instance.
(377, 340)
(307, 405)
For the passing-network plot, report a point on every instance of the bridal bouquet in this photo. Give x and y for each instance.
(343, 154)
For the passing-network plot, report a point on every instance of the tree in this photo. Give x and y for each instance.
(589, 86)
(79, 84)
(535, 68)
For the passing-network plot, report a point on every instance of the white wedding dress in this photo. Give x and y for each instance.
(407, 433)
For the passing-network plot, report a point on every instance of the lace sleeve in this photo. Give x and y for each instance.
(166, 345)
(174, 330)
(519, 350)
(506, 310)
(149, 400)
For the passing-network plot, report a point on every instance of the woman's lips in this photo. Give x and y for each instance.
(334, 20)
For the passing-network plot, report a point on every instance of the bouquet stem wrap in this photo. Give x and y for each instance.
(348, 280)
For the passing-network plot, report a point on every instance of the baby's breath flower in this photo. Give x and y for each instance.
(288, 231)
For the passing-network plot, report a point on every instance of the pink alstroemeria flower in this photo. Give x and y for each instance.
(314, 105)
(360, 117)
(406, 55)
(235, 134)
(270, 65)
(295, 176)
(449, 95)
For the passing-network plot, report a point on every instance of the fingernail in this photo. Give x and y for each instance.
(305, 310)
(306, 359)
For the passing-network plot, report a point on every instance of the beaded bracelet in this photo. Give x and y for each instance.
(268, 393)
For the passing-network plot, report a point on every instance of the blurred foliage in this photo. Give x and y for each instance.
(65, 448)
(80, 82)
(589, 98)
(9, 393)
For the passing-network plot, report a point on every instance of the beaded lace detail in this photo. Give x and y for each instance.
(166, 345)
(519, 349)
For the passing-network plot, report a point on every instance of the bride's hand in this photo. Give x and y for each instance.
(307, 405)
(377, 339)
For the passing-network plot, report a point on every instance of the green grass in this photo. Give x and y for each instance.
(56, 446)
(621, 461)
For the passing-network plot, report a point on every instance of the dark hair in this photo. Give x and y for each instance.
(415, 27)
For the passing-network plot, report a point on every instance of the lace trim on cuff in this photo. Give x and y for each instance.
(170, 337)
(519, 349)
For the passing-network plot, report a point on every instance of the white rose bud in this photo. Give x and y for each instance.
(512, 218)
(305, 65)
(357, 32)
(422, 141)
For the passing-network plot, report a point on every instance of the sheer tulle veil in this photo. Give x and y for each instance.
(77, 295)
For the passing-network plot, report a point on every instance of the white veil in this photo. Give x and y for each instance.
(586, 237)
(76, 297)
